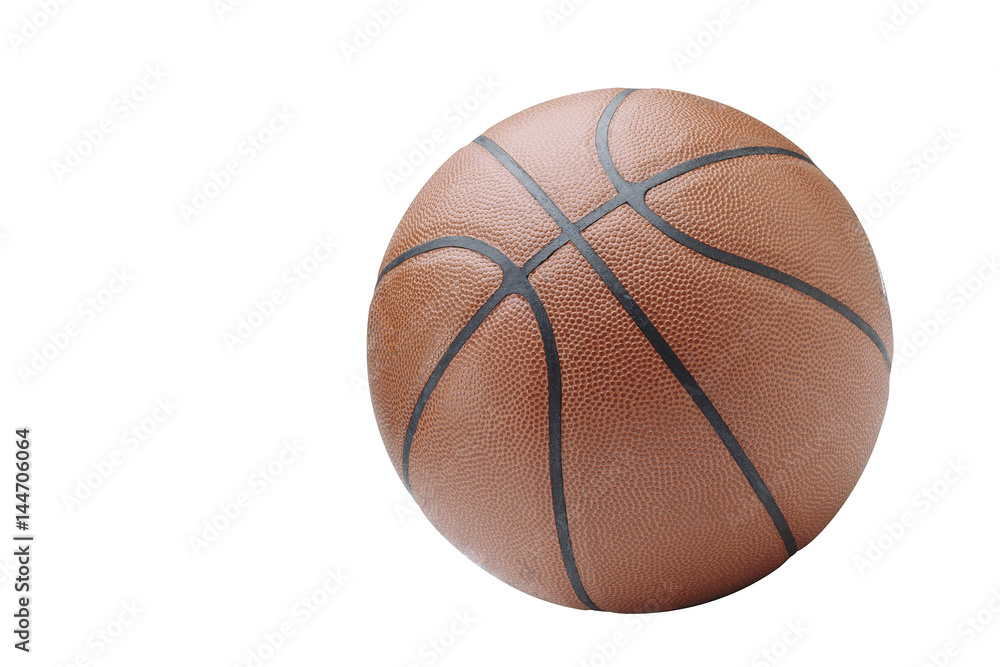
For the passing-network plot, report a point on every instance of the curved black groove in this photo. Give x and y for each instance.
(656, 339)
(432, 382)
(603, 140)
(515, 282)
(464, 242)
(555, 442)
(705, 160)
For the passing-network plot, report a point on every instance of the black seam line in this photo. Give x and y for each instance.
(656, 339)
(515, 282)
(555, 442)
(464, 242)
(432, 382)
(604, 141)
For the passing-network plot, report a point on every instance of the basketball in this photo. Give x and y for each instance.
(629, 350)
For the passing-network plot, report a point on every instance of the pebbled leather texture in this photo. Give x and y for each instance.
(582, 470)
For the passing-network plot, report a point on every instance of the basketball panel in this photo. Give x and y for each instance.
(786, 214)
(479, 465)
(556, 143)
(650, 489)
(654, 130)
(801, 388)
(418, 309)
(474, 195)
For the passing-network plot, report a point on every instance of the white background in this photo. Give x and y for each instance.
(885, 96)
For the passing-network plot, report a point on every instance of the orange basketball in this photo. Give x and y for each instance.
(629, 350)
